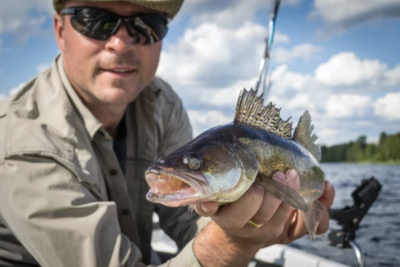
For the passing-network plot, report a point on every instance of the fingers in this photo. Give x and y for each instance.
(290, 223)
(256, 205)
(206, 209)
(248, 205)
(270, 203)
(328, 196)
(273, 207)
(268, 208)
(293, 182)
(327, 200)
(323, 226)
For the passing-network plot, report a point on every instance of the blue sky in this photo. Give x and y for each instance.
(338, 59)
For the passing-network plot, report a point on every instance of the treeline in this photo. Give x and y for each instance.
(387, 150)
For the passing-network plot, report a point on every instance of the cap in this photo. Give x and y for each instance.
(169, 7)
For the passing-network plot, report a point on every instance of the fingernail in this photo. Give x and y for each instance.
(259, 187)
(205, 209)
(291, 174)
(279, 176)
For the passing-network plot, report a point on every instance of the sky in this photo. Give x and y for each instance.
(338, 59)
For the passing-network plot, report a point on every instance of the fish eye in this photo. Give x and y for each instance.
(194, 164)
(192, 161)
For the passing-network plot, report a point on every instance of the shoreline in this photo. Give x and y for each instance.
(394, 162)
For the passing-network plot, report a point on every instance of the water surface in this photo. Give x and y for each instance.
(379, 233)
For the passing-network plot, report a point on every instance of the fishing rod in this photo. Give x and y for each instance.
(262, 76)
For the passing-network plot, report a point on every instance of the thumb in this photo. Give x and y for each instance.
(206, 209)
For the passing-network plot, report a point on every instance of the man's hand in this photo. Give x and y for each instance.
(230, 228)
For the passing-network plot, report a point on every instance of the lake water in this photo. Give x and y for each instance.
(379, 233)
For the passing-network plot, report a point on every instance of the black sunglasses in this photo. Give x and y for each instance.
(101, 24)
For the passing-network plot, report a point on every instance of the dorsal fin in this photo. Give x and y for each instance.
(250, 110)
(303, 135)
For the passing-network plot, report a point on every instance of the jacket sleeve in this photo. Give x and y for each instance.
(57, 219)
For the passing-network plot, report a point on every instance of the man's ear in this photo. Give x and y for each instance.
(59, 31)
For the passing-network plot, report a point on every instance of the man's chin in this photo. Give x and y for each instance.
(115, 101)
(117, 96)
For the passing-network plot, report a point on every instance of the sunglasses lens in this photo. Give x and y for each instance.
(148, 29)
(94, 23)
(100, 25)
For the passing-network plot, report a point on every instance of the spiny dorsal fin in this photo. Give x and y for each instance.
(250, 110)
(303, 135)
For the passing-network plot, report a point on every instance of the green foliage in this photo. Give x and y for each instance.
(387, 150)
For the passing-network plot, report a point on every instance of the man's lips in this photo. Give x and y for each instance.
(119, 71)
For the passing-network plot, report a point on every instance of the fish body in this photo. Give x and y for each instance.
(223, 162)
(275, 154)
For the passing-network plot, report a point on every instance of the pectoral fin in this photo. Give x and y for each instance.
(313, 216)
(282, 192)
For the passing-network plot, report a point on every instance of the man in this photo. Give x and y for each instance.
(75, 143)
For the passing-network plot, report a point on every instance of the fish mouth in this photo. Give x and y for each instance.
(175, 188)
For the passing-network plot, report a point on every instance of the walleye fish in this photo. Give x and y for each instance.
(223, 162)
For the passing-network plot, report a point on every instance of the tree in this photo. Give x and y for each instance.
(388, 149)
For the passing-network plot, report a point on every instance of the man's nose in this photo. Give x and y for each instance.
(121, 41)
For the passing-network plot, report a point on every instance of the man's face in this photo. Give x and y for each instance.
(92, 66)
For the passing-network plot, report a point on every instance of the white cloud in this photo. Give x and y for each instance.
(281, 38)
(12, 91)
(16, 17)
(330, 135)
(227, 96)
(225, 13)
(16, 89)
(291, 2)
(214, 60)
(228, 13)
(302, 51)
(42, 67)
(302, 102)
(388, 107)
(202, 120)
(345, 69)
(342, 14)
(211, 64)
(347, 105)
(283, 80)
(392, 77)
(210, 56)
(209, 71)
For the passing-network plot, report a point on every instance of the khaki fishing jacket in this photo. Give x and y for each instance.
(63, 195)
